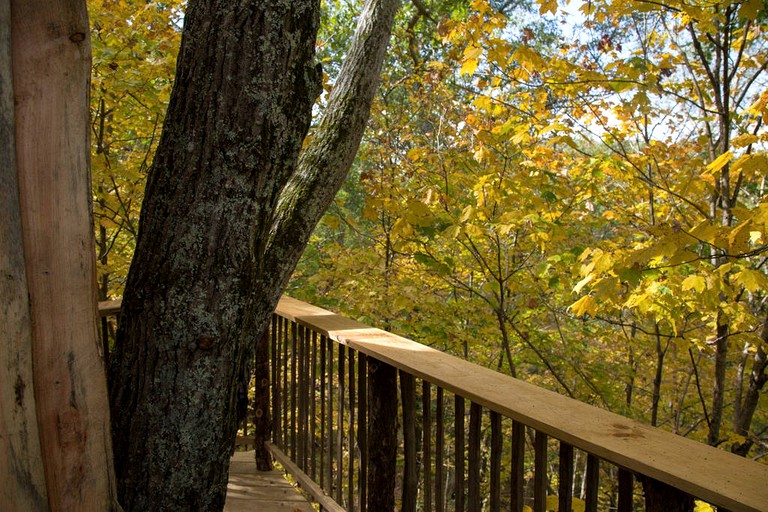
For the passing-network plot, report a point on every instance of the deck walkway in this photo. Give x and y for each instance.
(250, 490)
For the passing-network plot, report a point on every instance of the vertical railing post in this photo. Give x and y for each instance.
(277, 365)
(323, 408)
(339, 484)
(426, 398)
(459, 455)
(593, 482)
(660, 497)
(626, 484)
(565, 477)
(261, 420)
(495, 469)
(410, 484)
(439, 451)
(518, 467)
(540, 472)
(382, 436)
(300, 453)
(351, 434)
(473, 473)
(313, 409)
(362, 429)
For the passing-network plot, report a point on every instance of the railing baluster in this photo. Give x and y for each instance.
(408, 397)
(351, 435)
(496, 449)
(593, 481)
(626, 483)
(301, 409)
(362, 429)
(540, 473)
(459, 452)
(286, 388)
(323, 408)
(329, 429)
(277, 365)
(565, 477)
(473, 480)
(439, 450)
(313, 409)
(426, 443)
(517, 498)
(294, 391)
(340, 430)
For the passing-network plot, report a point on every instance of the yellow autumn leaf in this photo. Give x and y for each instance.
(752, 280)
(750, 9)
(587, 305)
(469, 59)
(553, 504)
(694, 282)
(751, 164)
(700, 506)
(744, 140)
(582, 283)
(546, 6)
(719, 162)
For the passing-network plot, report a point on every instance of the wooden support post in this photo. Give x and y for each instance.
(51, 66)
(22, 482)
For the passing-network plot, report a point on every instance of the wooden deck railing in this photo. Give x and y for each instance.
(468, 438)
(364, 419)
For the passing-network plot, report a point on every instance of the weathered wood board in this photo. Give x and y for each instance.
(269, 491)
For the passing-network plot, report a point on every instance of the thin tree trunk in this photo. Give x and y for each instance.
(747, 407)
(22, 481)
(51, 66)
(718, 387)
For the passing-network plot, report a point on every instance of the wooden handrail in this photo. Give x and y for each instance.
(110, 307)
(713, 475)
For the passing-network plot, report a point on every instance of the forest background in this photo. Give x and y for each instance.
(571, 194)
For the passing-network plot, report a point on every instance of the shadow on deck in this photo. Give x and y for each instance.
(269, 491)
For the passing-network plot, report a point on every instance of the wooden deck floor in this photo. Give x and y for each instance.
(250, 490)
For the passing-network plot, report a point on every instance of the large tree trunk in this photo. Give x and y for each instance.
(217, 242)
(51, 69)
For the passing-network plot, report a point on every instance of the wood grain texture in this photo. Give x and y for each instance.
(710, 474)
(51, 66)
(22, 482)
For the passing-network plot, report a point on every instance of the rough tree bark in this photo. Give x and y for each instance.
(229, 207)
(51, 68)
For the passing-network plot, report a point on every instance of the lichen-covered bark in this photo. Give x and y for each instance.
(205, 276)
